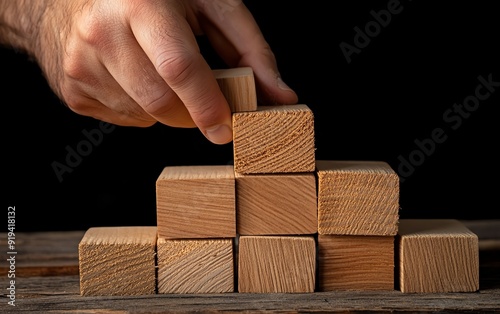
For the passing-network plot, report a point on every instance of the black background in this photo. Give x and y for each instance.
(393, 93)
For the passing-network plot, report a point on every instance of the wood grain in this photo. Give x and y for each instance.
(355, 262)
(118, 261)
(276, 204)
(274, 139)
(195, 266)
(276, 264)
(60, 294)
(196, 202)
(357, 198)
(238, 86)
(437, 255)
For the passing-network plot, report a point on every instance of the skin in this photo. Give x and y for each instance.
(137, 62)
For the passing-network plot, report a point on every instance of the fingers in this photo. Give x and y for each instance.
(174, 55)
(151, 69)
(238, 39)
(132, 70)
(89, 89)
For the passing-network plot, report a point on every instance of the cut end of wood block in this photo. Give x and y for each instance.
(195, 266)
(357, 198)
(118, 261)
(274, 139)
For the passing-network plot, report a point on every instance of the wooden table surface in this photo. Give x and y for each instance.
(47, 281)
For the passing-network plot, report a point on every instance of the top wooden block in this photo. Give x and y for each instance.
(238, 86)
(357, 198)
(274, 139)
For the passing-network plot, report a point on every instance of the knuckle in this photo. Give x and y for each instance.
(160, 105)
(175, 67)
(206, 114)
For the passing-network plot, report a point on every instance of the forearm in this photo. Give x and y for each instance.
(20, 22)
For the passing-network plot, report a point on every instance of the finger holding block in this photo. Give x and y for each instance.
(274, 139)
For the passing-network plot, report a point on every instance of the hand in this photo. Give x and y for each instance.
(137, 62)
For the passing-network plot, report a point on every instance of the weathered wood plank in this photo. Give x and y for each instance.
(43, 253)
(60, 294)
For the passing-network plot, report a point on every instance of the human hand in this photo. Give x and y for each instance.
(136, 62)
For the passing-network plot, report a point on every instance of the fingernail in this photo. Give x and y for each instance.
(282, 85)
(219, 134)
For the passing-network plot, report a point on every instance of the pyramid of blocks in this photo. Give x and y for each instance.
(277, 221)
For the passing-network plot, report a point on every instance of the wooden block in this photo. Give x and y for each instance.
(118, 261)
(196, 202)
(355, 262)
(437, 256)
(276, 204)
(276, 264)
(238, 86)
(274, 139)
(357, 198)
(195, 266)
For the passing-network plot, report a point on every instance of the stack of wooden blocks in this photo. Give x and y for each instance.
(277, 221)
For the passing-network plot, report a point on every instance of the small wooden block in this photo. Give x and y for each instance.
(195, 266)
(196, 202)
(357, 198)
(274, 139)
(276, 264)
(238, 86)
(276, 204)
(437, 256)
(117, 261)
(355, 262)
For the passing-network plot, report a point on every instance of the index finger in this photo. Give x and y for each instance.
(167, 39)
